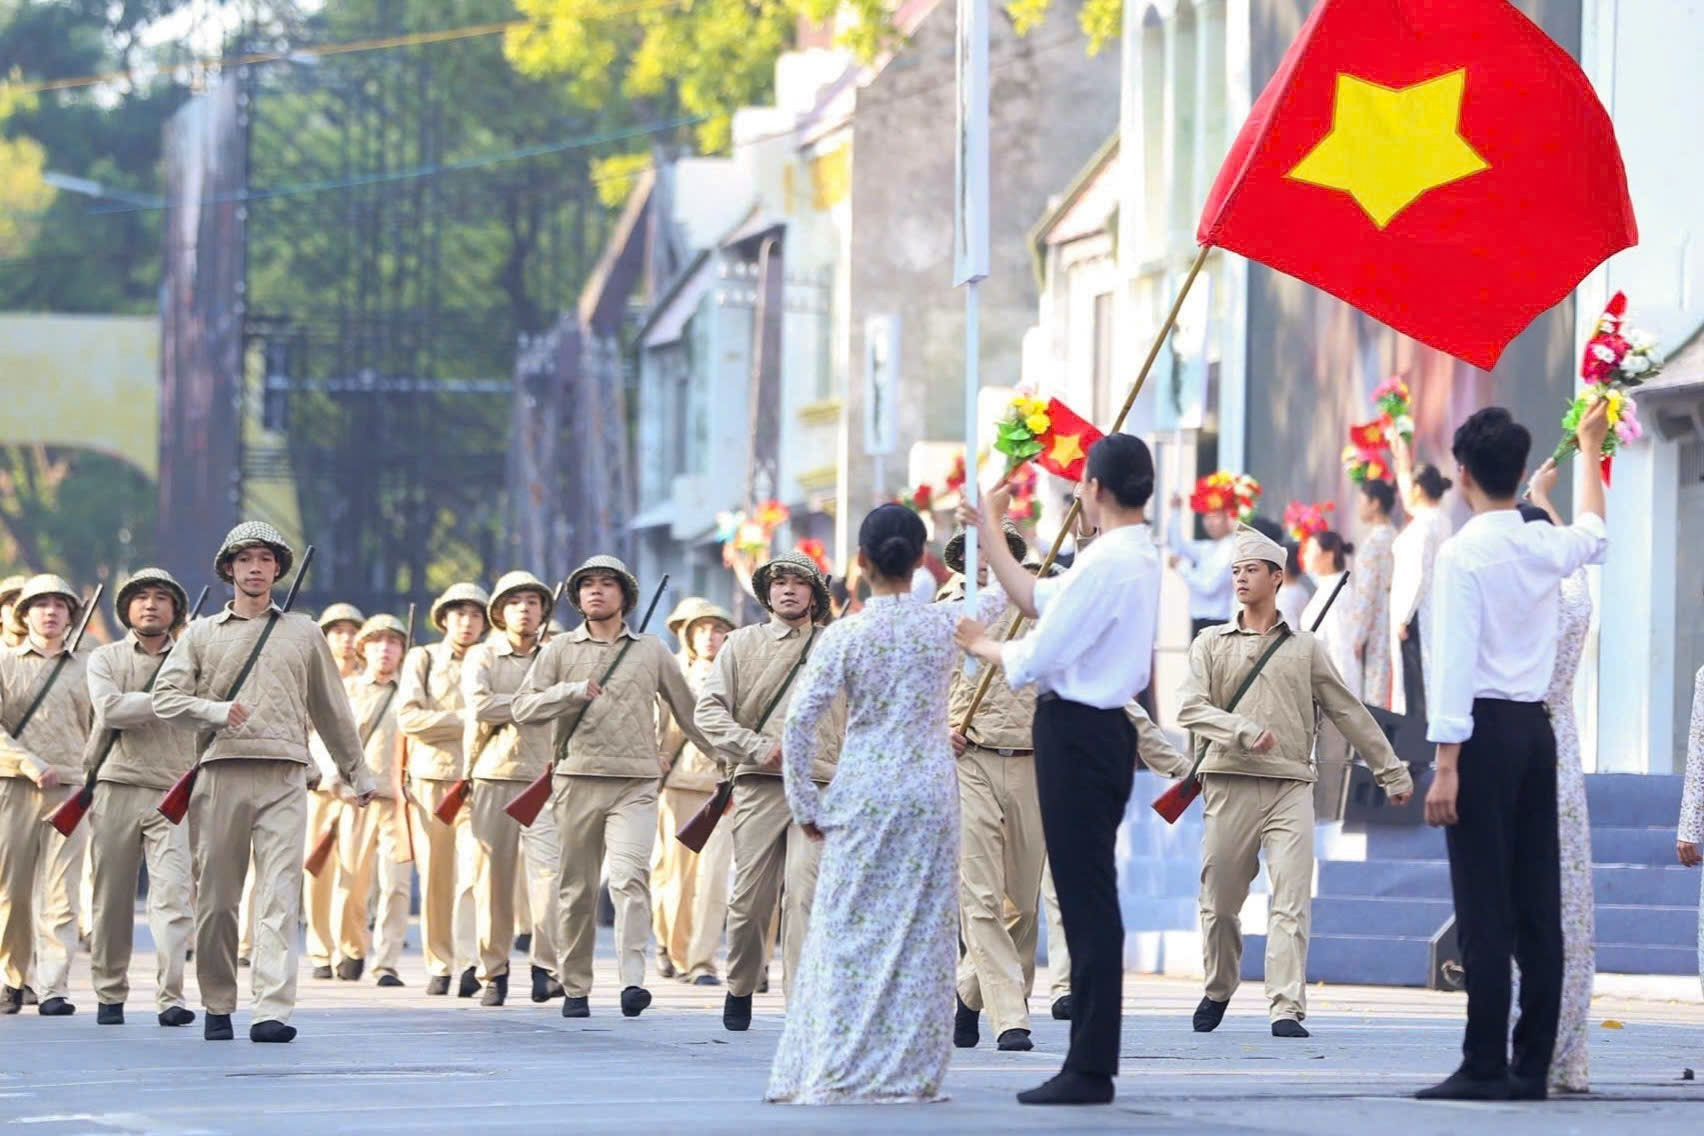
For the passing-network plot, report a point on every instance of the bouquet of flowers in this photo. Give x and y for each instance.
(955, 475)
(1364, 457)
(1047, 432)
(1222, 491)
(920, 499)
(814, 549)
(749, 537)
(1302, 519)
(1021, 430)
(1396, 407)
(1025, 505)
(1616, 359)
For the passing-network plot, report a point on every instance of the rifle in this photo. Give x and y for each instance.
(695, 833)
(526, 807)
(458, 793)
(400, 761)
(174, 806)
(69, 815)
(1172, 803)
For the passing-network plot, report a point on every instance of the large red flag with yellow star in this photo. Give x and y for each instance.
(1440, 164)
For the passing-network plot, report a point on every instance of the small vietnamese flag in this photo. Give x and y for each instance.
(1065, 444)
(1440, 164)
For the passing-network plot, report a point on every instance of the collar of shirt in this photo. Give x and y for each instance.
(137, 645)
(503, 645)
(780, 629)
(372, 680)
(29, 647)
(583, 634)
(890, 600)
(1235, 627)
(229, 612)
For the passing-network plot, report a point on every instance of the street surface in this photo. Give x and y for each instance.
(393, 1061)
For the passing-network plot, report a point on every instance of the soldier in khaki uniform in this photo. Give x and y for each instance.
(501, 756)
(371, 843)
(431, 714)
(40, 870)
(251, 794)
(341, 623)
(689, 890)
(605, 797)
(771, 852)
(1257, 780)
(125, 825)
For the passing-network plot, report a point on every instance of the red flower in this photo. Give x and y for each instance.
(1369, 435)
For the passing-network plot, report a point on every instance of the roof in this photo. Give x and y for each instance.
(603, 301)
(1083, 208)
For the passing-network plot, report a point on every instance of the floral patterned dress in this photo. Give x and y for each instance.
(1692, 798)
(1568, 1070)
(1375, 562)
(870, 1016)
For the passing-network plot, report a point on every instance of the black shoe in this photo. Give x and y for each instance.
(109, 1014)
(243, 962)
(1529, 1088)
(523, 943)
(11, 1000)
(763, 985)
(390, 981)
(438, 985)
(322, 972)
(496, 991)
(1209, 1014)
(56, 1008)
(176, 1016)
(1459, 1086)
(1016, 1041)
(965, 1031)
(1062, 1008)
(736, 1013)
(30, 998)
(1070, 1088)
(541, 985)
(272, 1032)
(217, 1027)
(576, 1007)
(469, 984)
(665, 967)
(1289, 1027)
(634, 999)
(707, 980)
(349, 970)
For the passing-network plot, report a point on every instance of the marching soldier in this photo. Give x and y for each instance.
(430, 712)
(40, 766)
(370, 842)
(126, 829)
(251, 796)
(605, 796)
(502, 756)
(689, 890)
(341, 623)
(750, 685)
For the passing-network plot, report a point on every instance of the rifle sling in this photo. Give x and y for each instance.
(786, 685)
(248, 667)
(562, 746)
(372, 725)
(111, 738)
(1242, 689)
(41, 694)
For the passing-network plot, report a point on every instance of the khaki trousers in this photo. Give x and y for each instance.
(598, 817)
(41, 875)
(244, 807)
(368, 847)
(1058, 954)
(710, 900)
(126, 830)
(674, 875)
(770, 852)
(445, 855)
(1245, 816)
(504, 853)
(999, 884)
(319, 892)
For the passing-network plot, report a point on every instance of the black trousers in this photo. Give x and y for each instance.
(1413, 674)
(1506, 875)
(1084, 766)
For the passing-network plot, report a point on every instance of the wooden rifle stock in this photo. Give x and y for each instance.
(321, 851)
(453, 801)
(526, 807)
(695, 833)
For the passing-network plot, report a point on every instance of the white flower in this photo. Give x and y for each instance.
(1635, 364)
(1605, 354)
(1641, 341)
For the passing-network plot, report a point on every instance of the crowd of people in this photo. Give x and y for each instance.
(881, 811)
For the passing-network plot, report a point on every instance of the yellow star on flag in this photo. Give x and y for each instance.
(1067, 449)
(1388, 146)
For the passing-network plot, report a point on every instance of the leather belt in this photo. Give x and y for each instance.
(1004, 752)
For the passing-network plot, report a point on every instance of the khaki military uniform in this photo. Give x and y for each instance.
(501, 758)
(371, 843)
(127, 830)
(430, 712)
(1264, 801)
(773, 859)
(605, 794)
(250, 796)
(40, 870)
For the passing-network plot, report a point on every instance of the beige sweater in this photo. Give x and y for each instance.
(1006, 717)
(57, 734)
(294, 687)
(691, 767)
(375, 720)
(754, 662)
(494, 747)
(432, 712)
(148, 752)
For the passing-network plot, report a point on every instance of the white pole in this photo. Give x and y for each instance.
(971, 241)
(972, 385)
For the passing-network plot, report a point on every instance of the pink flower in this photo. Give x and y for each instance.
(1627, 429)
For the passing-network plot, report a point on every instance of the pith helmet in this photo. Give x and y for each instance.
(799, 564)
(684, 613)
(43, 586)
(252, 534)
(155, 578)
(613, 566)
(953, 555)
(11, 586)
(511, 583)
(378, 625)
(708, 611)
(340, 613)
(463, 593)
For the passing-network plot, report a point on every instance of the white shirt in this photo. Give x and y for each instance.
(1414, 552)
(923, 585)
(1094, 641)
(1206, 571)
(1338, 630)
(1494, 612)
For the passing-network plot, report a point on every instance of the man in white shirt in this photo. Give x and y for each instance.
(1089, 656)
(1494, 621)
(1205, 565)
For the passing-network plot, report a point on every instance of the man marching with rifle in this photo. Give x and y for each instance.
(142, 757)
(44, 708)
(340, 622)
(430, 712)
(741, 710)
(607, 766)
(256, 678)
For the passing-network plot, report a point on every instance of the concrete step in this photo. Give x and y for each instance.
(1633, 800)
(1616, 844)
(1399, 918)
(1373, 960)
(1648, 926)
(1628, 885)
(1368, 879)
(1629, 958)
